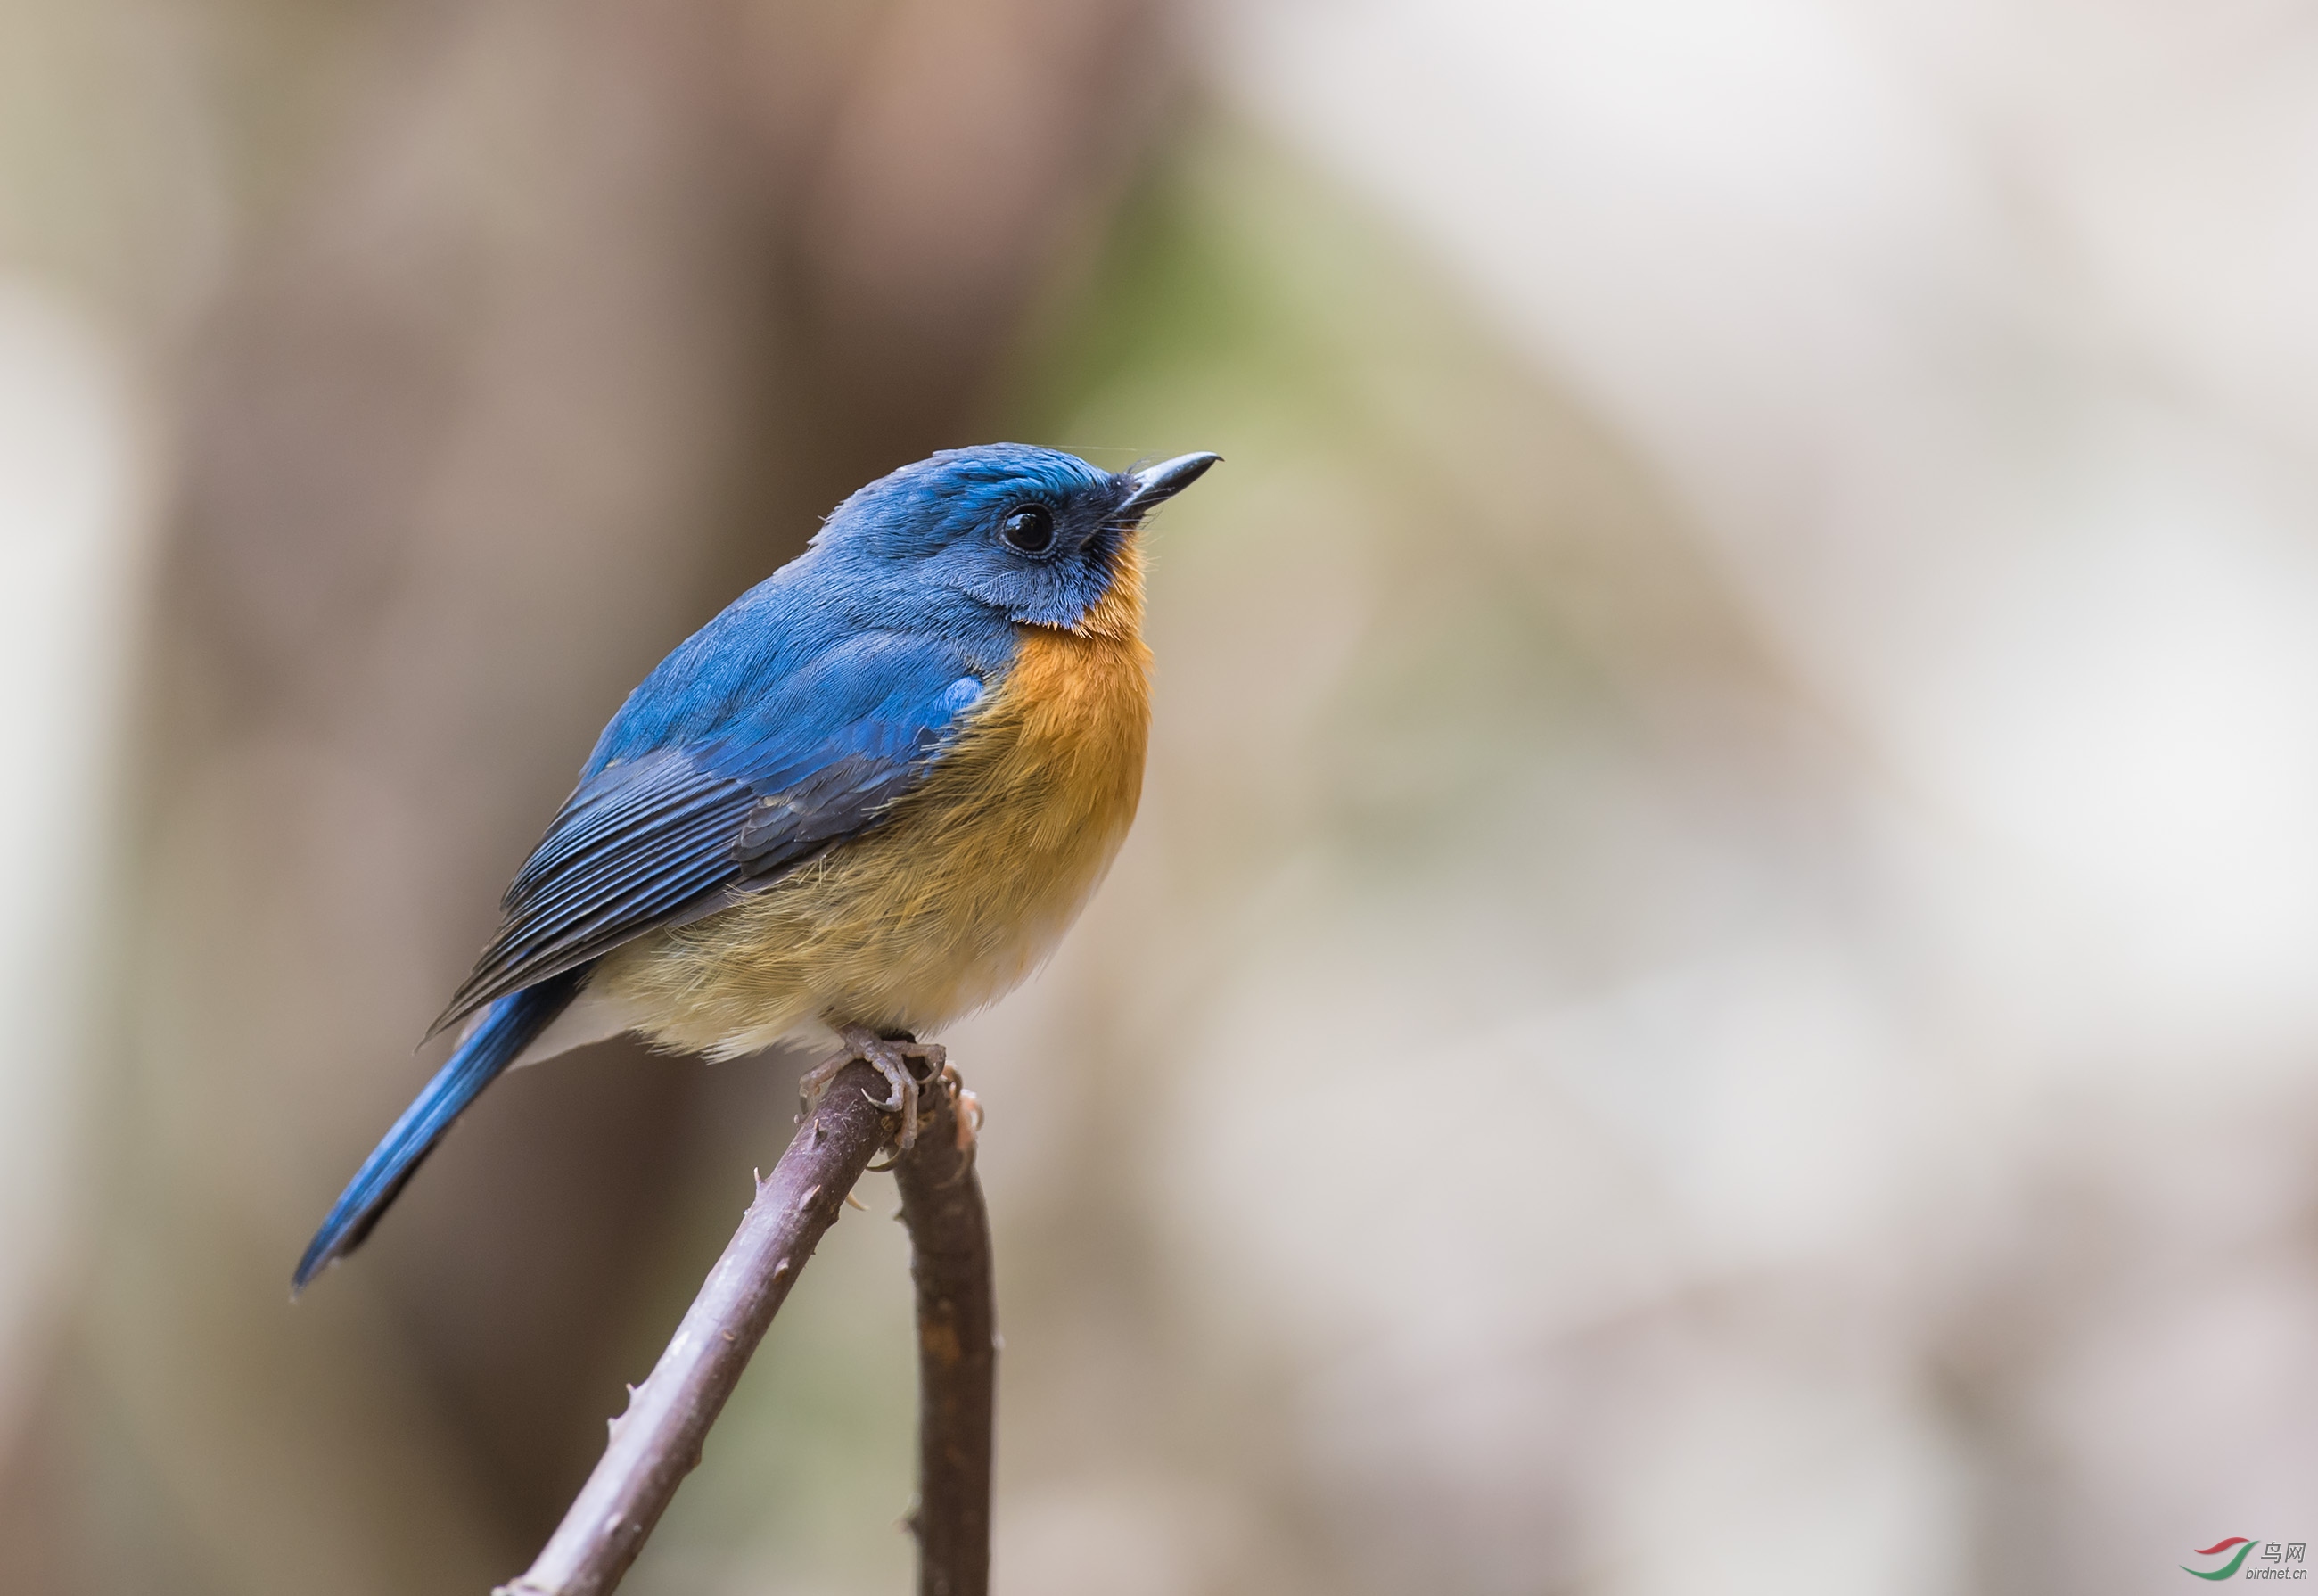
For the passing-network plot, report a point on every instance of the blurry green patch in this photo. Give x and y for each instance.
(1399, 495)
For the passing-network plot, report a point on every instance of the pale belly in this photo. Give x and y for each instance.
(942, 908)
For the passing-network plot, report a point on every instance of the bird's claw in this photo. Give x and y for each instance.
(890, 1057)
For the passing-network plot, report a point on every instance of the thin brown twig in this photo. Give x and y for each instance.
(658, 1442)
(957, 1345)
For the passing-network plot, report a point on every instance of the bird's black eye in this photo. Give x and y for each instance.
(1029, 528)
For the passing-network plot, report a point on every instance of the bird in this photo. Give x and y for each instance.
(866, 798)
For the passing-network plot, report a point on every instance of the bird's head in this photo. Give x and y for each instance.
(1035, 534)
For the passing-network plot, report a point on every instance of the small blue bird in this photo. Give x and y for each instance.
(866, 798)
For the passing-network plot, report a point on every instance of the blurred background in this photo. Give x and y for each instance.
(1714, 988)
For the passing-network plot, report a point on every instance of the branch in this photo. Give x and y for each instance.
(957, 1344)
(657, 1442)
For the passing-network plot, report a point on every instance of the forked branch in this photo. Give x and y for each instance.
(658, 1442)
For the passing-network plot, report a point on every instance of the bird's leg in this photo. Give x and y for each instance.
(889, 1056)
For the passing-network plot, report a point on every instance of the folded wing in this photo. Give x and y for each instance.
(671, 833)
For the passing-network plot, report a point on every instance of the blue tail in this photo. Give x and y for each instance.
(510, 1027)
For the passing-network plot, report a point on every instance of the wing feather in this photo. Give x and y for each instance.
(677, 831)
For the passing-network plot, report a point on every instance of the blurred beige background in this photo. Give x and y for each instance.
(1713, 992)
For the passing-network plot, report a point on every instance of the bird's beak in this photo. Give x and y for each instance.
(1155, 485)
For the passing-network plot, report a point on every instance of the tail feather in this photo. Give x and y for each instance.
(510, 1026)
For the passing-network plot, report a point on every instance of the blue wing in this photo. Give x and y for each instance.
(659, 834)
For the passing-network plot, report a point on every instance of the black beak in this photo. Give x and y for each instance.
(1155, 485)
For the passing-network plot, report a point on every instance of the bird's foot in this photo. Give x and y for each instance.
(889, 1056)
